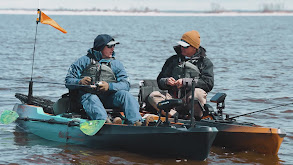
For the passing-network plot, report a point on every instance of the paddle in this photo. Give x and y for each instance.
(8, 117)
(90, 127)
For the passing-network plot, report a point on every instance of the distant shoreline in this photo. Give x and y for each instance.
(149, 13)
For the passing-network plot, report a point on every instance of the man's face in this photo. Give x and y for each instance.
(188, 51)
(108, 51)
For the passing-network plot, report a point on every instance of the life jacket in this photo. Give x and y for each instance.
(185, 69)
(99, 71)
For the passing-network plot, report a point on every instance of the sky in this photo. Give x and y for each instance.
(193, 5)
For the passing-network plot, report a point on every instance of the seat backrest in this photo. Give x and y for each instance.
(61, 106)
(69, 104)
(146, 87)
(152, 83)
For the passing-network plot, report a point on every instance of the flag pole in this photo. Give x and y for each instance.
(30, 89)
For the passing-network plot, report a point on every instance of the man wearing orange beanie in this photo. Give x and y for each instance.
(189, 63)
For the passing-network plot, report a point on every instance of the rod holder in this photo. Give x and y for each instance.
(192, 119)
(30, 93)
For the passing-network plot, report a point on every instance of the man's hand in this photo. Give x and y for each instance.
(85, 81)
(171, 81)
(179, 83)
(104, 86)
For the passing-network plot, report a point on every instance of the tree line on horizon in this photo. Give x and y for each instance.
(215, 8)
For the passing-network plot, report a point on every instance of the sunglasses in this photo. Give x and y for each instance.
(185, 47)
(110, 46)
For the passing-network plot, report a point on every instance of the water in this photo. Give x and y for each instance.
(252, 56)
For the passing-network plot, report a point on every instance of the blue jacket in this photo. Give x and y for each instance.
(73, 76)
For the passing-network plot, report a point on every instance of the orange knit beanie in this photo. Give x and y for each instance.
(192, 37)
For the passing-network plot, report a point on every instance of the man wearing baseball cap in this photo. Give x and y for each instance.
(189, 63)
(102, 82)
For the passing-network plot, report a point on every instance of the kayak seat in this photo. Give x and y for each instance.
(70, 106)
(61, 106)
(146, 87)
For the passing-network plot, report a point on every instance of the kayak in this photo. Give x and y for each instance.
(242, 136)
(232, 135)
(237, 136)
(175, 140)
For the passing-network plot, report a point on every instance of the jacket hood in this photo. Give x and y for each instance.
(97, 55)
(101, 41)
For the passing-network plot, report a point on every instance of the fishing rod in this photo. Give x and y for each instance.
(44, 82)
(280, 105)
(30, 88)
(55, 83)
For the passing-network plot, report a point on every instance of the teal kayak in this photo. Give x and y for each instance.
(176, 140)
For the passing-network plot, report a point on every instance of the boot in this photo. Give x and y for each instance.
(147, 120)
(108, 120)
(117, 120)
(137, 123)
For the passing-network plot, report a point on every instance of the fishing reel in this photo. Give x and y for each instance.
(98, 83)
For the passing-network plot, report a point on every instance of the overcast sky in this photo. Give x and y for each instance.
(196, 5)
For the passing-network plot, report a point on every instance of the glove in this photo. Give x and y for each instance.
(85, 81)
(104, 86)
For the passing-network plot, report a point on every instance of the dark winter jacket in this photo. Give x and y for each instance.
(205, 80)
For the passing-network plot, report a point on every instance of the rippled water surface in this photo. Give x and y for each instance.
(252, 55)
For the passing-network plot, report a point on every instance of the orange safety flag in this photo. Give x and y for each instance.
(44, 19)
